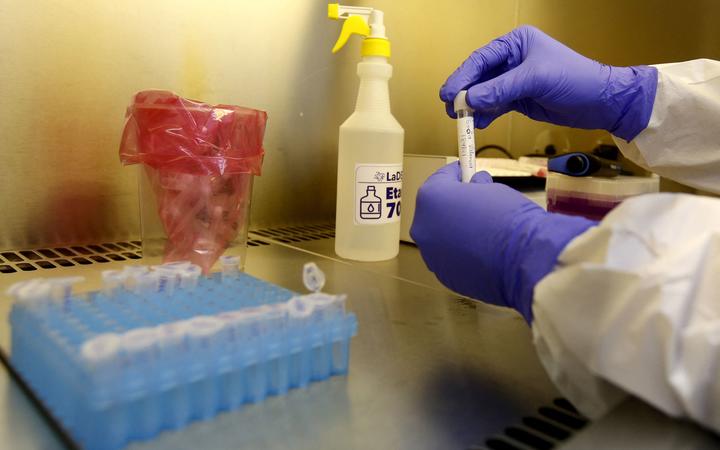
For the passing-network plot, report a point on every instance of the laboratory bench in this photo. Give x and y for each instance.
(429, 369)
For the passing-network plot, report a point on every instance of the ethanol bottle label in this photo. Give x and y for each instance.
(377, 193)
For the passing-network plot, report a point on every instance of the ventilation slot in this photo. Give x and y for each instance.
(47, 259)
(297, 233)
(256, 243)
(553, 425)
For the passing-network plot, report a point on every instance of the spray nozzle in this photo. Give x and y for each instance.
(363, 21)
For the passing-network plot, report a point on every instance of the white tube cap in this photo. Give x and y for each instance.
(460, 103)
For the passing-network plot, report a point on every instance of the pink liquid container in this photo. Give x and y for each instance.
(594, 197)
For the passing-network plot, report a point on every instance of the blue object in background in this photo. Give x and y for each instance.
(128, 362)
(578, 164)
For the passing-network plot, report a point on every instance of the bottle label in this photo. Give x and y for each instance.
(377, 193)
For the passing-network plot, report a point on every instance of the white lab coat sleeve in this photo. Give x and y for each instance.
(682, 139)
(634, 307)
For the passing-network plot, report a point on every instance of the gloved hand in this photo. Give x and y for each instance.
(486, 240)
(530, 72)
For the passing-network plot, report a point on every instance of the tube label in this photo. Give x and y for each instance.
(378, 189)
(466, 146)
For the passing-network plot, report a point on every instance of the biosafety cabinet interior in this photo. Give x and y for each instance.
(429, 368)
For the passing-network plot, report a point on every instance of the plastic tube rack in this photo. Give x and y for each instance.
(158, 349)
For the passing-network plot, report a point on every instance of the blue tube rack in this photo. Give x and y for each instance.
(123, 366)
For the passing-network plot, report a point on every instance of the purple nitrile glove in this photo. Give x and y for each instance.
(486, 240)
(530, 72)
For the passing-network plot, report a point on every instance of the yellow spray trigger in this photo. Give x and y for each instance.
(353, 25)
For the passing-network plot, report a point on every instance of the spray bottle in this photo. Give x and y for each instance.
(370, 151)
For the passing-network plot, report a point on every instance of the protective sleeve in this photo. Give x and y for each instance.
(682, 139)
(633, 307)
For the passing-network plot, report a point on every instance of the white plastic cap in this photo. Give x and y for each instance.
(114, 277)
(61, 288)
(327, 306)
(100, 349)
(29, 290)
(189, 276)
(177, 265)
(299, 308)
(147, 282)
(313, 277)
(204, 326)
(460, 103)
(113, 280)
(134, 270)
(140, 339)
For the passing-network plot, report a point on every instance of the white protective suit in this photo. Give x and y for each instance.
(634, 303)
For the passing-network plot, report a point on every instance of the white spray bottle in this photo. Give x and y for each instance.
(370, 151)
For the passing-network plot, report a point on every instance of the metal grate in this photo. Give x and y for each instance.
(76, 255)
(256, 242)
(298, 233)
(51, 258)
(550, 427)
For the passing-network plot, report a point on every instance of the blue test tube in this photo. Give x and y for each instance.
(299, 314)
(107, 426)
(330, 349)
(274, 328)
(140, 347)
(204, 339)
(249, 330)
(175, 398)
(232, 380)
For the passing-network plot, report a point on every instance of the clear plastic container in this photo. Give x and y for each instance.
(211, 218)
(369, 182)
(198, 162)
(594, 197)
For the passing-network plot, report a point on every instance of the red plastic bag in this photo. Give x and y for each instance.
(200, 160)
(165, 131)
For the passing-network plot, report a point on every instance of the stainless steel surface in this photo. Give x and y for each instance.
(428, 369)
(21, 426)
(407, 266)
(635, 425)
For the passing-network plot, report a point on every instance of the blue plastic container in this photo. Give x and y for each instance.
(154, 351)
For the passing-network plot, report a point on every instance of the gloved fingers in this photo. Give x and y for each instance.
(449, 172)
(481, 177)
(501, 93)
(483, 119)
(450, 109)
(481, 63)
